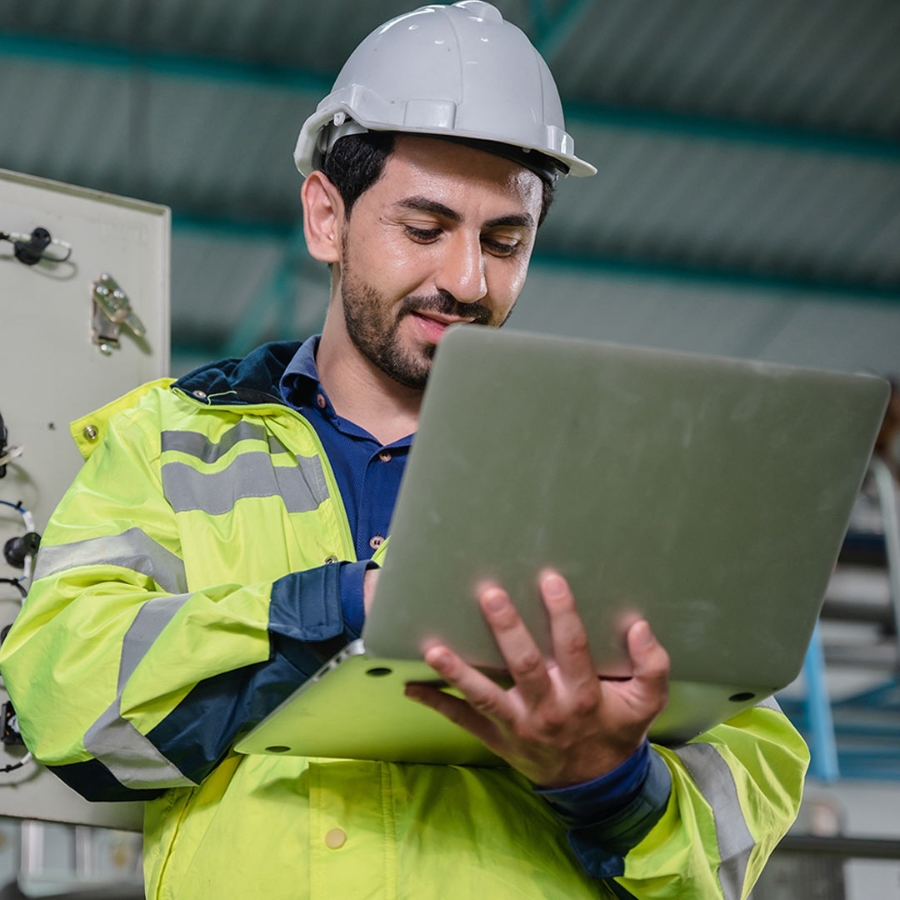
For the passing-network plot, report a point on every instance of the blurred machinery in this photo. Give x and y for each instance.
(84, 307)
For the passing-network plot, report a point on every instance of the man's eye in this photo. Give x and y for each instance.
(423, 235)
(500, 248)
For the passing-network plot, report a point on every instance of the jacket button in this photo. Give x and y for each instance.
(330, 559)
(90, 432)
(376, 542)
(335, 839)
(200, 395)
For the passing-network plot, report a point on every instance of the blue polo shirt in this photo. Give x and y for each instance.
(368, 474)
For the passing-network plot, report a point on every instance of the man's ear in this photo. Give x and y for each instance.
(323, 217)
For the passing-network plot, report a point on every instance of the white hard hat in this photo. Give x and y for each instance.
(456, 71)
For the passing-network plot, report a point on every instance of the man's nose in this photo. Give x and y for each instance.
(462, 270)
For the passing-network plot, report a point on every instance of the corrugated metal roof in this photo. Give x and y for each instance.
(817, 63)
(736, 141)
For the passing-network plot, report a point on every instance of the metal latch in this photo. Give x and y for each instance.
(112, 310)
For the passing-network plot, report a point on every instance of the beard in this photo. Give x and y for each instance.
(374, 327)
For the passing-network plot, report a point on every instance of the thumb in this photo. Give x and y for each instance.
(650, 666)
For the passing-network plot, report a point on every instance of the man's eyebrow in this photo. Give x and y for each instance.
(423, 204)
(525, 220)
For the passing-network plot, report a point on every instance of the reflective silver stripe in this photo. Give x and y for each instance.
(313, 474)
(200, 446)
(715, 781)
(250, 475)
(133, 549)
(147, 626)
(769, 703)
(128, 755)
(114, 741)
(275, 446)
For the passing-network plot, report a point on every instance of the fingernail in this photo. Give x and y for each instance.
(437, 657)
(493, 601)
(554, 584)
(645, 635)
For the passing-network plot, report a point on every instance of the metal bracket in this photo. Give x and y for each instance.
(112, 310)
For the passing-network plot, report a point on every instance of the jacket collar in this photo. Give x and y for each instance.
(253, 379)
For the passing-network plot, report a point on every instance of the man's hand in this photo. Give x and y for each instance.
(559, 724)
(370, 581)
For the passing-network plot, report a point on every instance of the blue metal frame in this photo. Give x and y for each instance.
(824, 762)
(855, 747)
(857, 736)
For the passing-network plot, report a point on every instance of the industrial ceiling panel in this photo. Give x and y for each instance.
(64, 124)
(703, 316)
(756, 142)
(224, 150)
(732, 205)
(817, 63)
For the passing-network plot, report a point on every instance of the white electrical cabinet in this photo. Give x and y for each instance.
(67, 346)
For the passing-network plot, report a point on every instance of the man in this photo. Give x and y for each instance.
(223, 539)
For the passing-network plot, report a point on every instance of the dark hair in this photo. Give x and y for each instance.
(356, 162)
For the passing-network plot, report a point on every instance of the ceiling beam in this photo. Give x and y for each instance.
(54, 51)
(799, 285)
(87, 54)
(714, 128)
(843, 290)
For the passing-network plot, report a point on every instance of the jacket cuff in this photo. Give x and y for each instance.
(306, 606)
(601, 846)
(594, 801)
(352, 594)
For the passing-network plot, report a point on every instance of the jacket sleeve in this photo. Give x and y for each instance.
(124, 681)
(707, 817)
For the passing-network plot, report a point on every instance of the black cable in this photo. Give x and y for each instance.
(4, 435)
(15, 583)
(32, 251)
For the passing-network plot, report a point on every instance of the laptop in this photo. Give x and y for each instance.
(709, 495)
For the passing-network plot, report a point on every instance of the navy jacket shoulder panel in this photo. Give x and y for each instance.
(254, 378)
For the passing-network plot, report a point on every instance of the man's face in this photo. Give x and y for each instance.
(444, 236)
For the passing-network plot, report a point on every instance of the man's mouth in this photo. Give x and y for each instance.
(433, 325)
(444, 310)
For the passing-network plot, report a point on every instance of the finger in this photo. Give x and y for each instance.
(483, 695)
(456, 710)
(571, 647)
(650, 684)
(523, 657)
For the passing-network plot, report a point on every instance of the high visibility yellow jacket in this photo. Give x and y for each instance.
(187, 584)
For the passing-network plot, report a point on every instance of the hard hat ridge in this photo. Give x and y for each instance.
(456, 71)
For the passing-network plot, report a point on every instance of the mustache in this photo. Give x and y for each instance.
(446, 304)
